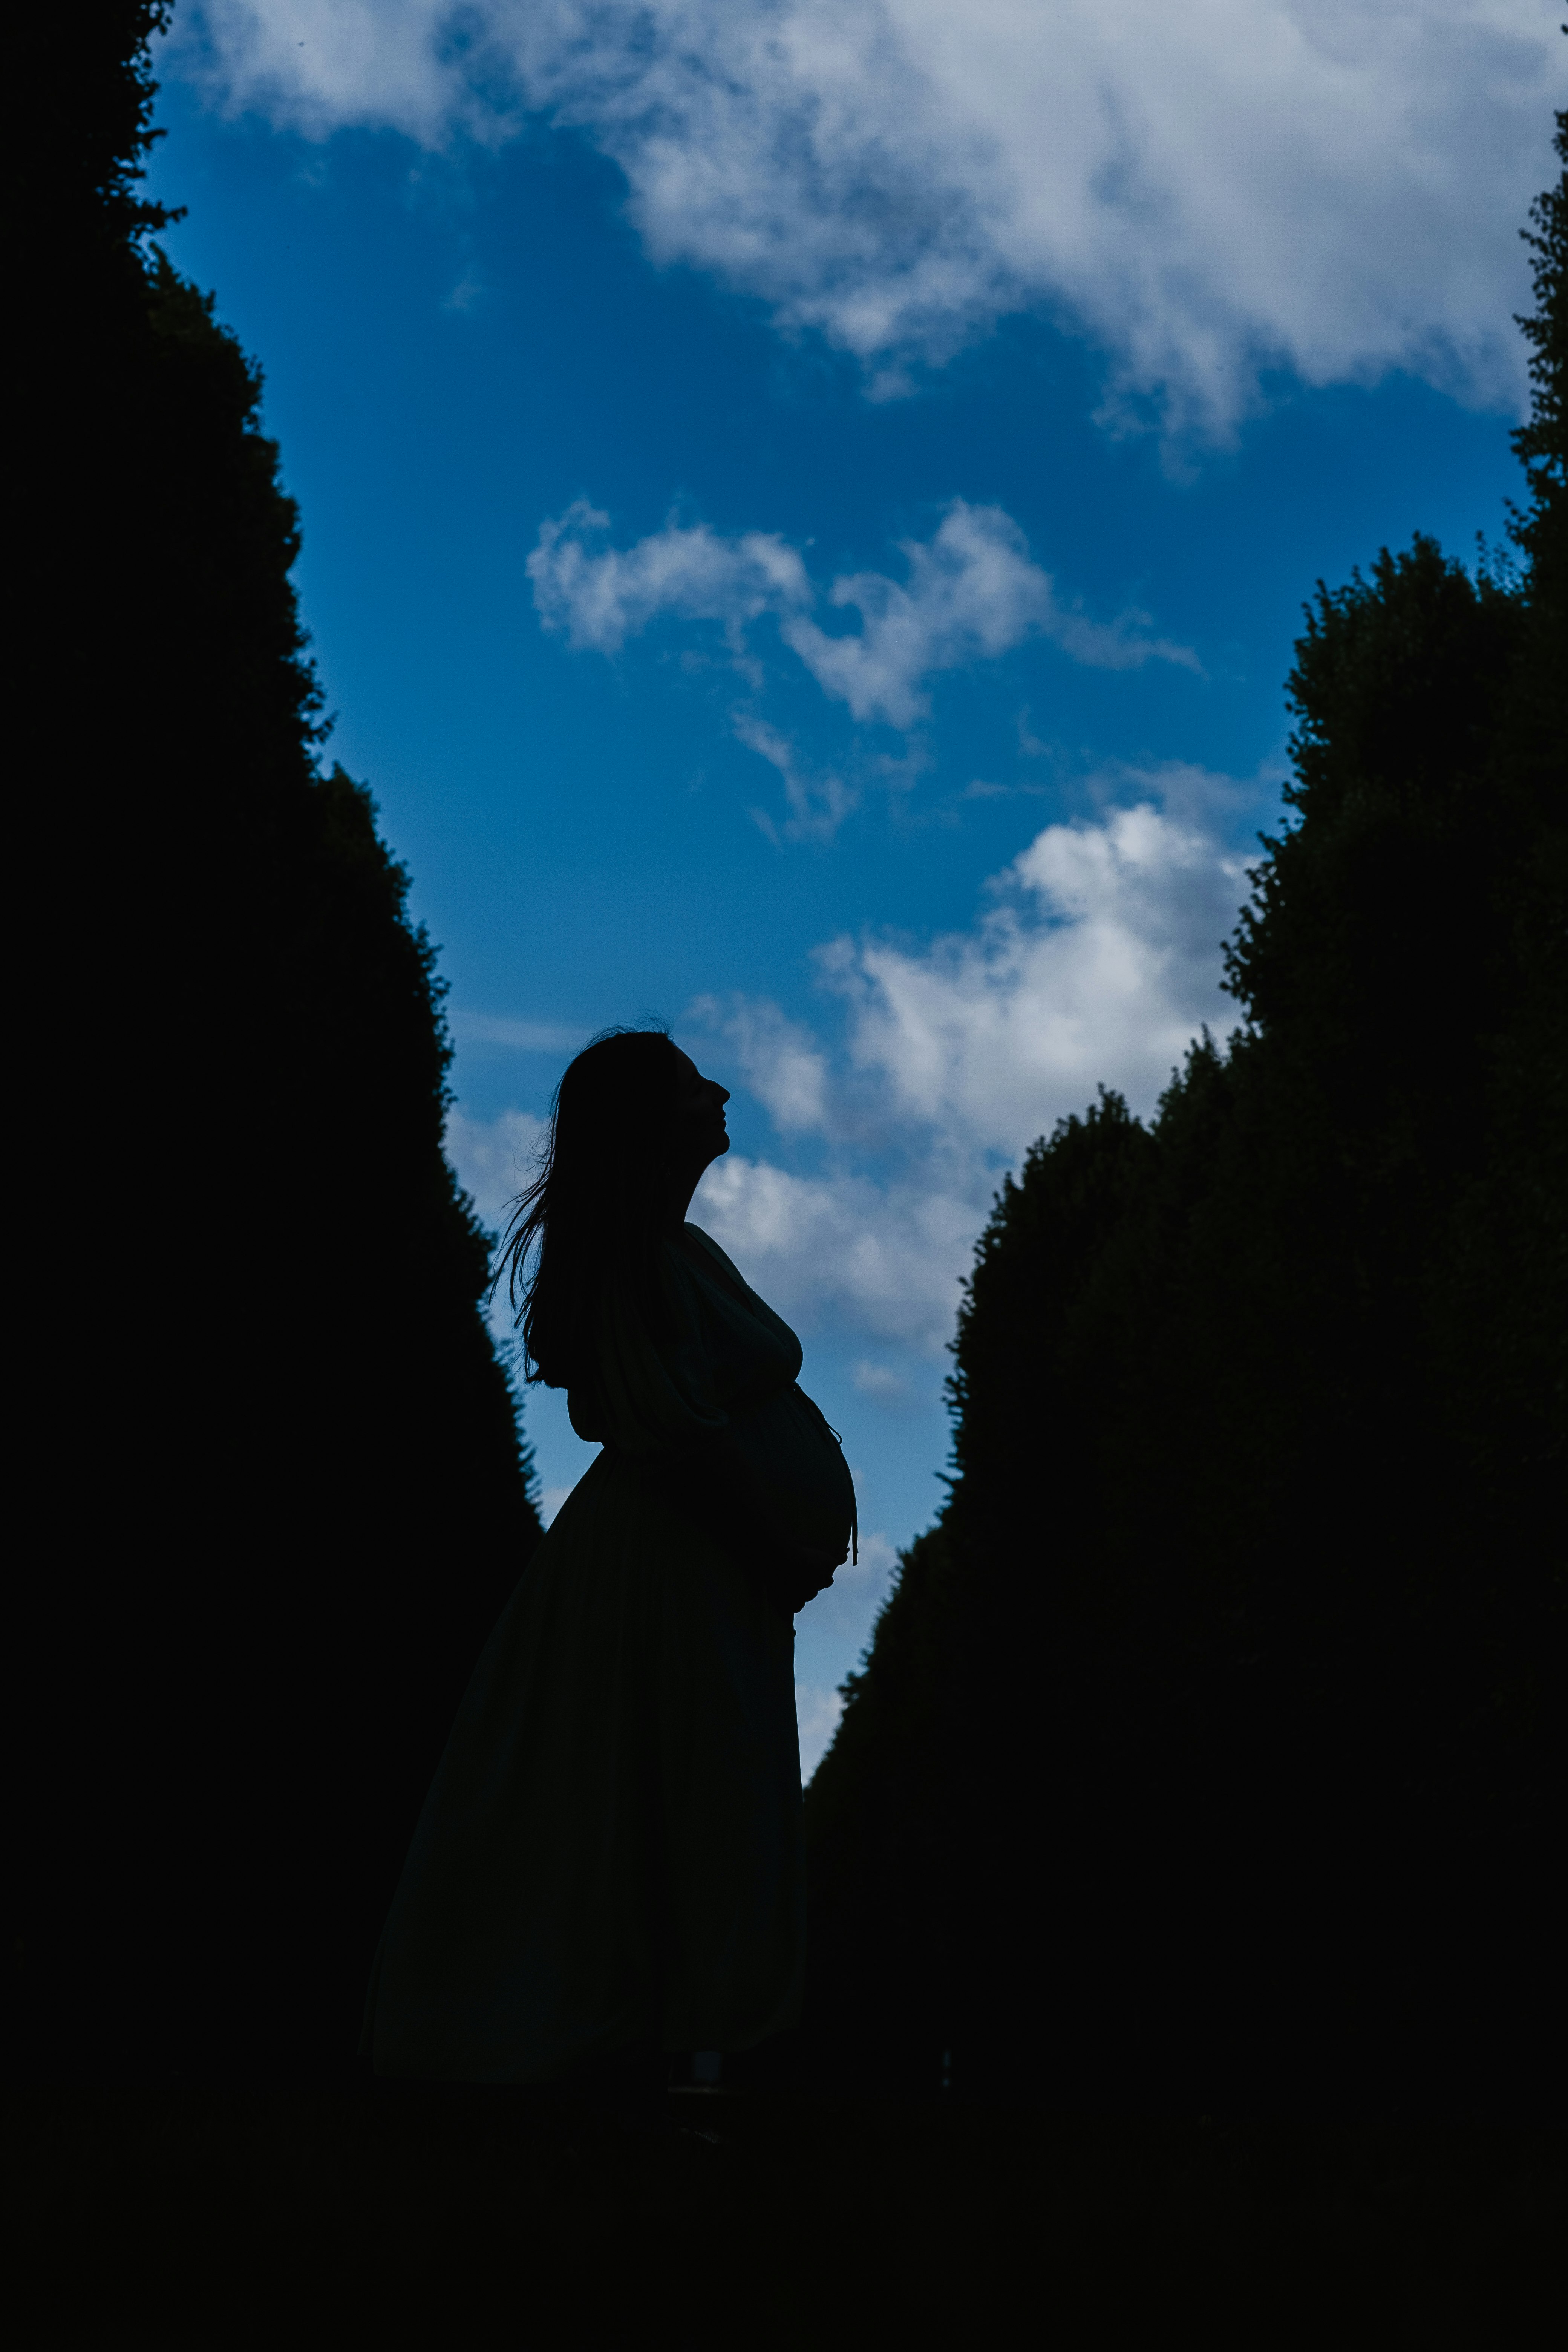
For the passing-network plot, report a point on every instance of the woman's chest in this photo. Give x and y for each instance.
(748, 1357)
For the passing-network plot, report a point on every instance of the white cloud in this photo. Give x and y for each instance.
(1099, 960)
(972, 592)
(600, 599)
(1208, 191)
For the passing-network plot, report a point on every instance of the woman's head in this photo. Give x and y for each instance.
(633, 1125)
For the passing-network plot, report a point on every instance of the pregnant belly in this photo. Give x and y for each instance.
(787, 1443)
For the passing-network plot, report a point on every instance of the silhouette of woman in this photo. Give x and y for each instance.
(609, 1862)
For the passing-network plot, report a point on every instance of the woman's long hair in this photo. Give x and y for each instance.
(593, 1212)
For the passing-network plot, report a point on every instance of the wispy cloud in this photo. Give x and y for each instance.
(818, 801)
(468, 293)
(598, 596)
(970, 594)
(520, 1036)
(1207, 192)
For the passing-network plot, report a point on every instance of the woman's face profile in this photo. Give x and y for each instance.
(699, 1111)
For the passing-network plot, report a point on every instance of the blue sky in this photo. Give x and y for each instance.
(806, 517)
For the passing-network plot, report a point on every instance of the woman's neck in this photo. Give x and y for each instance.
(677, 1200)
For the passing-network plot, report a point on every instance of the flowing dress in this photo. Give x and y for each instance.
(611, 1851)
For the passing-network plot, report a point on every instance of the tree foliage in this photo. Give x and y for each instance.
(1203, 1751)
(275, 1479)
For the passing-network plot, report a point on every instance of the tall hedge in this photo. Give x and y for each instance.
(1207, 1748)
(270, 1464)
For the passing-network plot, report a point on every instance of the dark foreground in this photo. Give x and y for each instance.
(172, 2218)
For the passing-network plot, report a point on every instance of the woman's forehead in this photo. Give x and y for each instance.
(688, 1067)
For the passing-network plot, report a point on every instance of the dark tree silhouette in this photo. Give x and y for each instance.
(275, 1487)
(1203, 1751)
